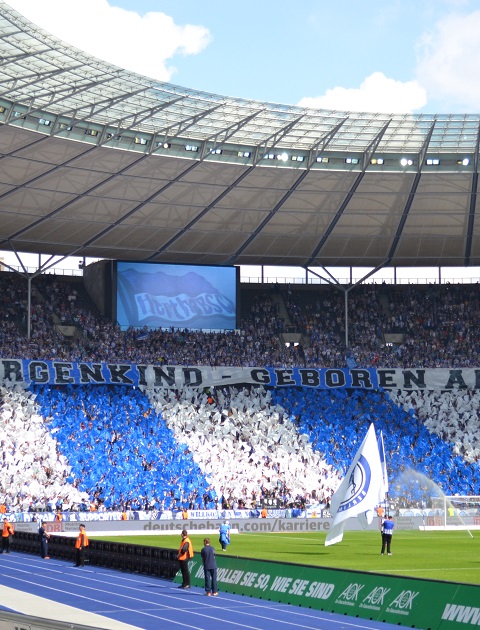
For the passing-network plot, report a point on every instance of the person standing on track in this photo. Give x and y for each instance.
(7, 534)
(80, 544)
(209, 568)
(44, 538)
(185, 552)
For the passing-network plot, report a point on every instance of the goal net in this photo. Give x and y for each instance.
(455, 512)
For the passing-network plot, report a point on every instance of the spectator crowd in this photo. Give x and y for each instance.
(157, 449)
(433, 325)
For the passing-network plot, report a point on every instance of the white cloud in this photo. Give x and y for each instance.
(449, 59)
(140, 43)
(377, 93)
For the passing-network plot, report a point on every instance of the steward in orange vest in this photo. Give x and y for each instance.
(80, 544)
(185, 552)
(7, 533)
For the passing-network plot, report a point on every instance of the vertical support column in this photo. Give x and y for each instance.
(29, 306)
(346, 319)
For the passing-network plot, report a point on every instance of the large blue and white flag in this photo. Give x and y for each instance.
(359, 491)
(383, 461)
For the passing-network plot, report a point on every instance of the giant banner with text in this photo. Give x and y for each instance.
(25, 371)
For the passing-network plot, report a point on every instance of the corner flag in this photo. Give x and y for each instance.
(359, 492)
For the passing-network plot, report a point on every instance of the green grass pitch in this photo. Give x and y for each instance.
(452, 556)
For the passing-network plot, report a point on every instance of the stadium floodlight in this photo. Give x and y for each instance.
(323, 160)
(406, 162)
(350, 160)
(432, 161)
(216, 151)
(297, 158)
(245, 154)
(283, 157)
(191, 147)
(166, 145)
(377, 161)
(464, 162)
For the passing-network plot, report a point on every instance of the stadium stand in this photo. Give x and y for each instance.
(161, 449)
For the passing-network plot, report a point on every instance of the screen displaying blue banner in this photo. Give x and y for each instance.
(156, 295)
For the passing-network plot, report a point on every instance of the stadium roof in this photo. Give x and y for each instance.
(100, 162)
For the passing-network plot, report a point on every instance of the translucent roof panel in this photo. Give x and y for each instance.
(102, 162)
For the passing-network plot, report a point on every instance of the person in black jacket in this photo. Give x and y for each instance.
(44, 537)
(209, 568)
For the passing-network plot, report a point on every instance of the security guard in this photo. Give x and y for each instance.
(185, 552)
(7, 533)
(80, 544)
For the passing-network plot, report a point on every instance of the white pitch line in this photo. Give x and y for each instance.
(35, 606)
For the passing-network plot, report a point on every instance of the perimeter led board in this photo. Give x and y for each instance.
(165, 296)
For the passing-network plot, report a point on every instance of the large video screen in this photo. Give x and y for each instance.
(157, 295)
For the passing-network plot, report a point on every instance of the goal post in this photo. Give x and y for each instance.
(457, 511)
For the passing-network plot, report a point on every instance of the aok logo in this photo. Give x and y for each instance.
(351, 593)
(403, 602)
(377, 596)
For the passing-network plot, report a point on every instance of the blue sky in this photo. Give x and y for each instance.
(389, 56)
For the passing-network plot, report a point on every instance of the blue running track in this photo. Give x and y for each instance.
(150, 603)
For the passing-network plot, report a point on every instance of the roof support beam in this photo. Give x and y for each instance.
(323, 143)
(202, 213)
(137, 208)
(271, 142)
(173, 131)
(223, 135)
(32, 78)
(138, 118)
(411, 197)
(366, 157)
(68, 203)
(473, 204)
(268, 218)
